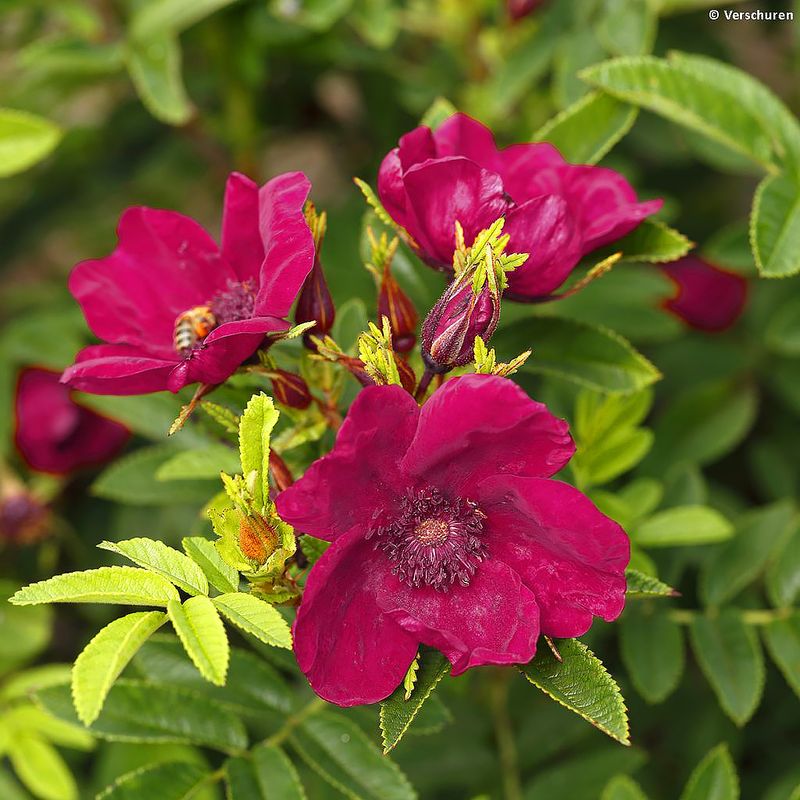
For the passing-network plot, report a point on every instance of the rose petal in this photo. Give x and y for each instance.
(494, 620)
(352, 486)
(520, 164)
(350, 651)
(571, 556)
(287, 241)
(241, 239)
(478, 426)
(461, 135)
(117, 370)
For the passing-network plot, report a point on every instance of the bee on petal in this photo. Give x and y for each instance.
(192, 327)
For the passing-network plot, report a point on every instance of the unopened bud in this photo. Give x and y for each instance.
(258, 540)
(281, 475)
(290, 389)
(23, 519)
(315, 303)
(408, 378)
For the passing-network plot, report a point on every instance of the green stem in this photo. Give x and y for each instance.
(504, 734)
(280, 736)
(758, 616)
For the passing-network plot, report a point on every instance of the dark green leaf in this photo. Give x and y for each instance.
(172, 780)
(621, 787)
(775, 227)
(783, 642)
(783, 575)
(714, 778)
(157, 16)
(267, 774)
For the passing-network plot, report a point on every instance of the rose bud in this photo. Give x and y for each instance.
(23, 519)
(315, 303)
(279, 472)
(519, 9)
(290, 389)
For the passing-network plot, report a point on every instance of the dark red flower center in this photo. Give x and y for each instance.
(433, 541)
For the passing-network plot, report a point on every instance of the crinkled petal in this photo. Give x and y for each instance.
(546, 229)
(350, 650)
(287, 241)
(571, 556)
(708, 298)
(118, 370)
(478, 426)
(353, 485)
(241, 239)
(461, 135)
(223, 351)
(494, 620)
(164, 264)
(447, 190)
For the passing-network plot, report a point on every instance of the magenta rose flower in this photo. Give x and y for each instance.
(556, 211)
(55, 434)
(707, 298)
(446, 530)
(174, 308)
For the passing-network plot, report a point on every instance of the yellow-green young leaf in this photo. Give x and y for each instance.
(590, 356)
(343, 755)
(775, 226)
(220, 574)
(622, 787)
(397, 713)
(25, 139)
(730, 656)
(41, 769)
(256, 617)
(143, 711)
(171, 780)
(640, 584)
(683, 525)
(267, 775)
(102, 660)
(28, 718)
(581, 683)
(159, 557)
(783, 643)
(759, 533)
(202, 634)
(682, 96)
(652, 650)
(653, 242)
(255, 427)
(155, 69)
(157, 16)
(585, 131)
(125, 585)
(23, 684)
(714, 778)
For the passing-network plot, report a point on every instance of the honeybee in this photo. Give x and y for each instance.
(192, 326)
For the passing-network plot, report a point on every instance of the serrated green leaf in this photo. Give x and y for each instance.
(155, 69)
(163, 559)
(730, 656)
(266, 775)
(714, 778)
(652, 242)
(682, 96)
(339, 751)
(105, 657)
(220, 574)
(589, 356)
(200, 629)
(783, 575)
(132, 480)
(174, 16)
(203, 463)
(628, 28)
(25, 139)
(253, 688)
(775, 227)
(255, 427)
(124, 585)
(41, 769)
(618, 452)
(652, 651)
(585, 131)
(782, 333)
(759, 533)
(622, 787)
(171, 780)
(640, 584)
(256, 617)
(683, 525)
(137, 711)
(782, 637)
(397, 713)
(313, 548)
(580, 683)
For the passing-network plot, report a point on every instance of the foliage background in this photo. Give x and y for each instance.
(156, 101)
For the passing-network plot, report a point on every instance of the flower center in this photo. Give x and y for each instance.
(433, 541)
(236, 302)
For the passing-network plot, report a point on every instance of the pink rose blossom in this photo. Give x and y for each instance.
(166, 266)
(446, 530)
